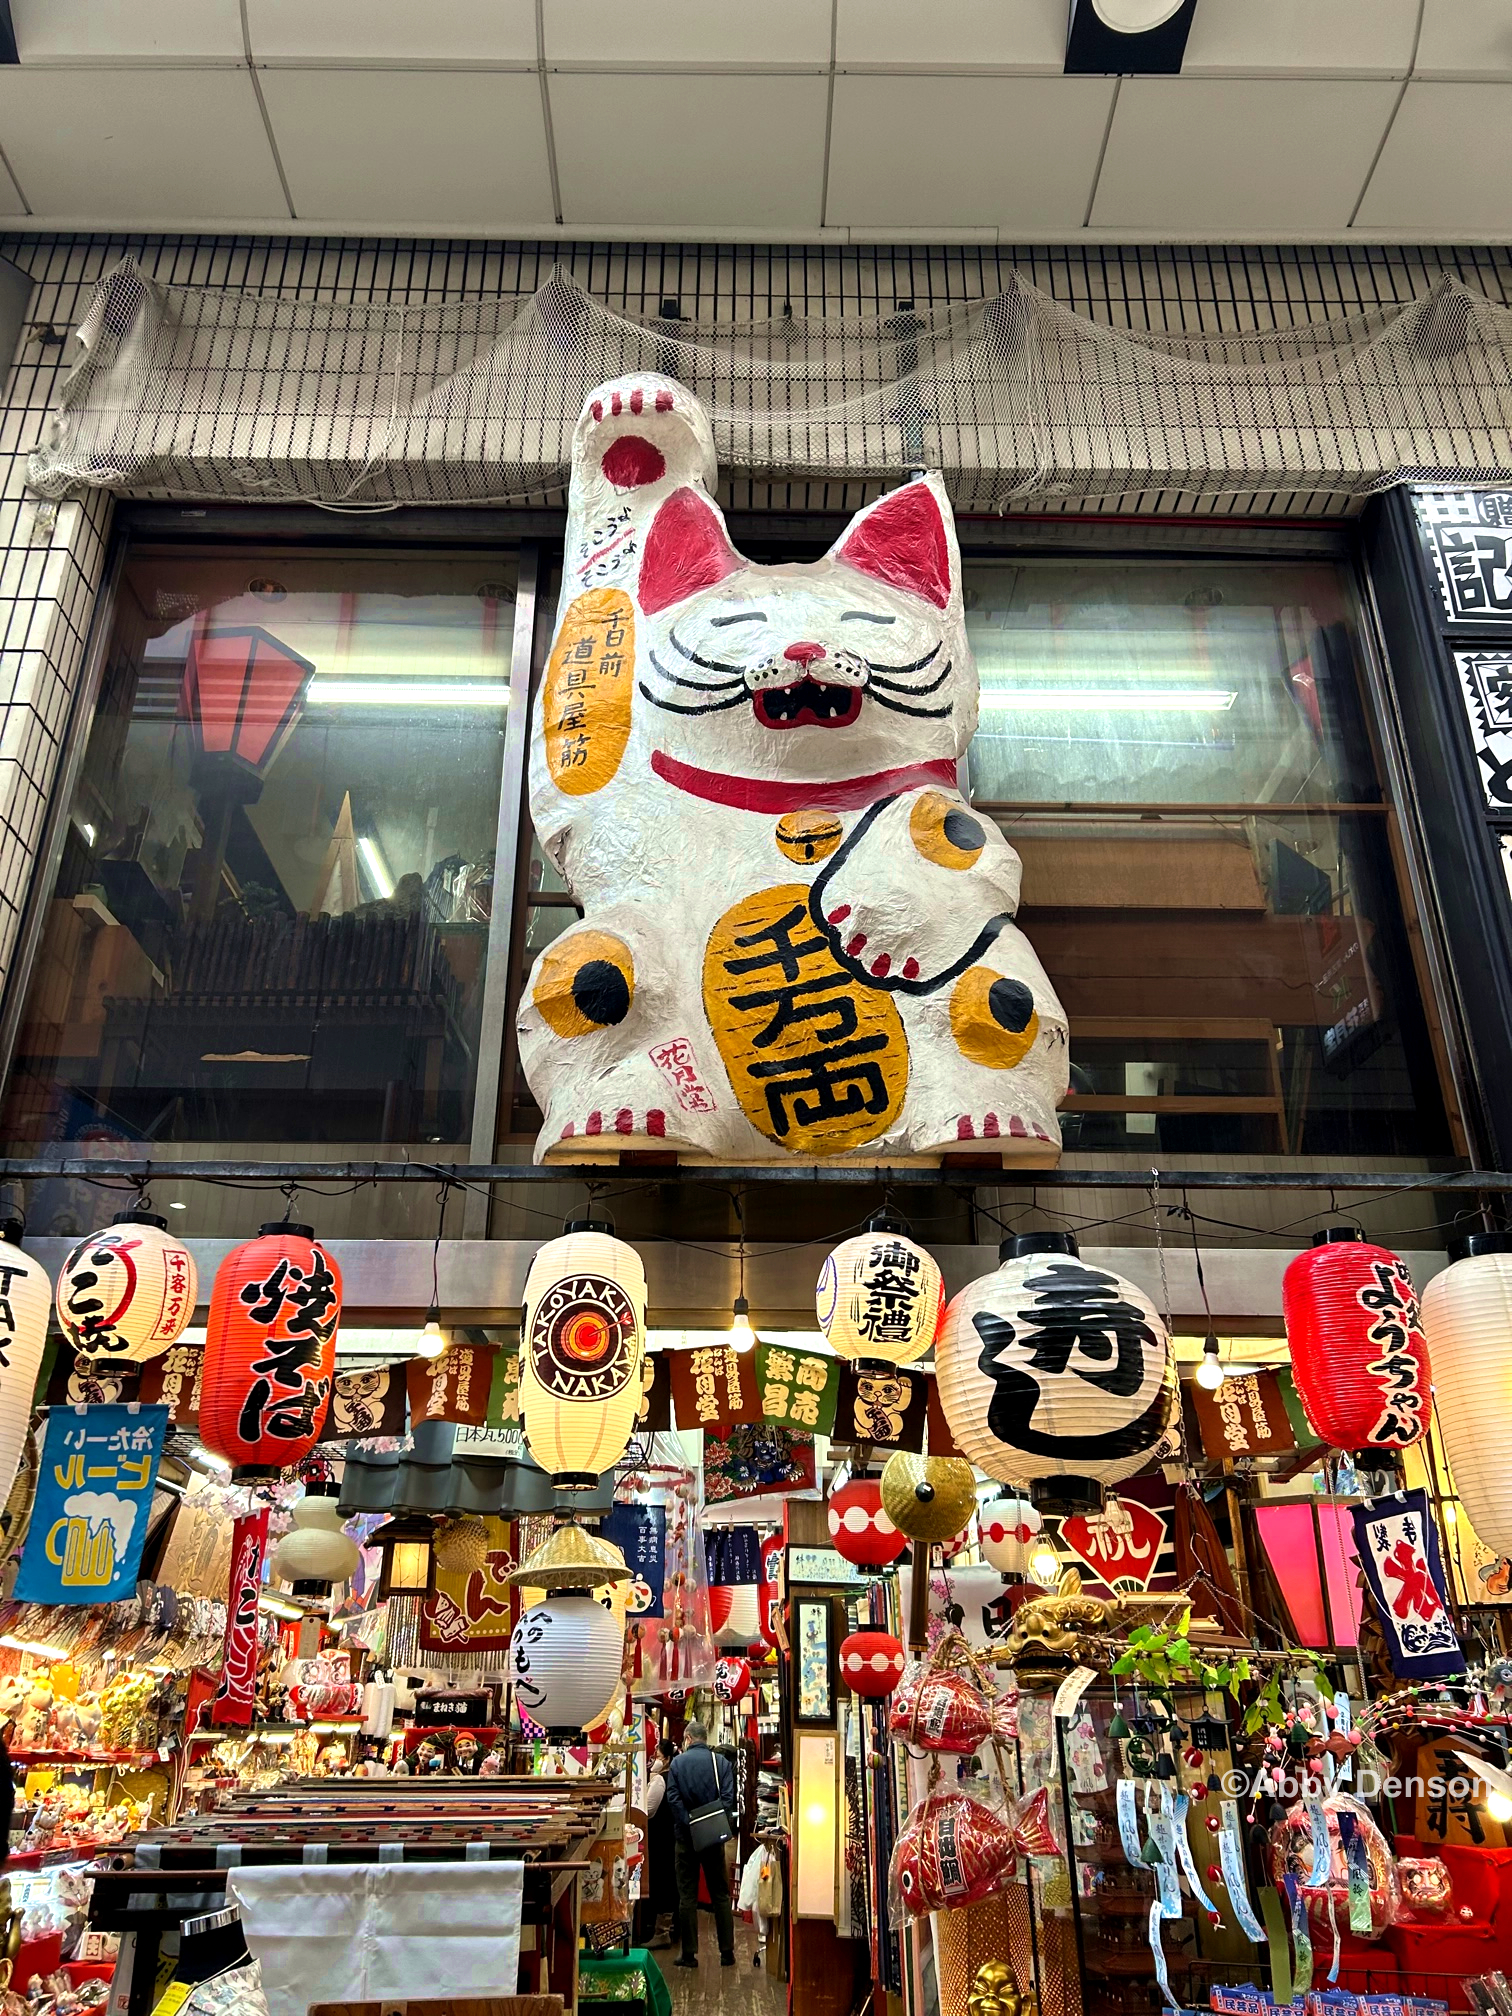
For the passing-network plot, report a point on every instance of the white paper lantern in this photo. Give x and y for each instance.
(1008, 1527)
(25, 1303)
(564, 1659)
(129, 1291)
(1467, 1319)
(880, 1296)
(317, 1550)
(1053, 1368)
(582, 1338)
(741, 1622)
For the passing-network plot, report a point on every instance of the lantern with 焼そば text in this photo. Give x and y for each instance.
(270, 1350)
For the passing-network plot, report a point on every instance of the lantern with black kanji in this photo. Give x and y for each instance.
(127, 1292)
(270, 1350)
(1467, 1316)
(1009, 1527)
(1053, 1368)
(582, 1336)
(25, 1299)
(880, 1296)
(861, 1530)
(1358, 1352)
(871, 1662)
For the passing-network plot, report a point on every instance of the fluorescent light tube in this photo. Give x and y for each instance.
(1108, 700)
(377, 867)
(405, 693)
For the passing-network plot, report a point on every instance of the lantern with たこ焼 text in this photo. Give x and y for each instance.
(582, 1337)
(1358, 1352)
(880, 1296)
(25, 1299)
(127, 1292)
(270, 1350)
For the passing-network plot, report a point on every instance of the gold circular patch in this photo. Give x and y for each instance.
(585, 697)
(808, 836)
(583, 982)
(817, 1060)
(945, 832)
(993, 1018)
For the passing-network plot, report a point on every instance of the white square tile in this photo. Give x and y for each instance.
(688, 31)
(422, 147)
(683, 152)
(167, 30)
(1009, 34)
(381, 31)
(964, 152)
(1432, 175)
(134, 145)
(1197, 156)
(1359, 38)
(1470, 39)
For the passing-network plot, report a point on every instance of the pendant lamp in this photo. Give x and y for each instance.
(129, 1291)
(318, 1551)
(25, 1302)
(862, 1532)
(1053, 1368)
(1467, 1315)
(880, 1297)
(582, 1336)
(270, 1351)
(1009, 1527)
(1357, 1347)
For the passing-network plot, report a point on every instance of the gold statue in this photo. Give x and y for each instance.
(1057, 1620)
(994, 1992)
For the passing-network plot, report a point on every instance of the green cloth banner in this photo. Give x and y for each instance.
(798, 1389)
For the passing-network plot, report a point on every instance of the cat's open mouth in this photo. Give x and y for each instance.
(808, 704)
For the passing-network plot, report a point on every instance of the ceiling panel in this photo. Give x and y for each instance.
(1360, 38)
(1465, 38)
(50, 30)
(746, 152)
(1026, 35)
(168, 145)
(1198, 155)
(964, 152)
(412, 147)
(1433, 172)
(688, 31)
(440, 31)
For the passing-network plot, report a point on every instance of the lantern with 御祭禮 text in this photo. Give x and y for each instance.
(880, 1296)
(129, 1291)
(1357, 1348)
(25, 1299)
(270, 1350)
(582, 1336)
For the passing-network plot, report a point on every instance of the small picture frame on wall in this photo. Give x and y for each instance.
(814, 1649)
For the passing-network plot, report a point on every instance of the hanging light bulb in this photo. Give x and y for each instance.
(431, 1342)
(742, 1336)
(1210, 1371)
(1044, 1565)
(1499, 1806)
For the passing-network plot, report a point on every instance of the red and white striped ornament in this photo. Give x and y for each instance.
(1009, 1526)
(862, 1532)
(871, 1662)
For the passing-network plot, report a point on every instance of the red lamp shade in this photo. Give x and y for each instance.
(871, 1662)
(243, 692)
(732, 1677)
(860, 1529)
(1358, 1353)
(769, 1589)
(270, 1350)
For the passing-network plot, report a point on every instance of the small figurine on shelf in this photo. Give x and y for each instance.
(31, 1729)
(467, 1753)
(424, 1758)
(496, 1763)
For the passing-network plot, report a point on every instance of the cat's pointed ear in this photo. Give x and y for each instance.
(906, 539)
(686, 549)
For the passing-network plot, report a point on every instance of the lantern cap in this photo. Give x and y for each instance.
(1338, 1235)
(588, 1224)
(139, 1217)
(1023, 1244)
(887, 1220)
(12, 1229)
(1065, 1495)
(571, 1558)
(1475, 1244)
(293, 1231)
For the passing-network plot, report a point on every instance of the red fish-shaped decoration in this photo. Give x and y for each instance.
(952, 1851)
(938, 1710)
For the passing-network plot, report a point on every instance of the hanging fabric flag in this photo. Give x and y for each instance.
(713, 1387)
(173, 1381)
(798, 1389)
(453, 1387)
(472, 1607)
(1399, 1552)
(640, 1533)
(734, 1556)
(235, 1695)
(655, 1415)
(91, 1382)
(94, 1494)
(887, 1407)
(365, 1403)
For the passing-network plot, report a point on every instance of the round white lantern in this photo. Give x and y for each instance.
(880, 1296)
(1467, 1319)
(1009, 1527)
(564, 1659)
(127, 1292)
(582, 1338)
(735, 1614)
(25, 1302)
(1053, 1368)
(317, 1550)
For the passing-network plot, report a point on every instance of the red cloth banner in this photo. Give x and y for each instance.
(238, 1681)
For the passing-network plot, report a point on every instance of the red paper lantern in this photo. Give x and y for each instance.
(769, 1590)
(732, 1677)
(1357, 1347)
(860, 1529)
(270, 1350)
(871, 1662)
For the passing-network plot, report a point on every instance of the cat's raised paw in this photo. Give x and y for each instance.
(642, 430)
(997, 1127)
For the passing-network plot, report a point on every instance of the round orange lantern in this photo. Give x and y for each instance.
(270, 1350)
(129, 1291)
(1357, 1348)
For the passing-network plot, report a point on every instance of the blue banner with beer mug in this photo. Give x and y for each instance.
(94, 1495)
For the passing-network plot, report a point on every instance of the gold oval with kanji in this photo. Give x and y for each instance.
(586, 698)
(817, 1060)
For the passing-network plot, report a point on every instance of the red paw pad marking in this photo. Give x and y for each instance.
(664, 402)
(616, 404)
(857, 944)
(1040, 1134)
(990, 1127)
(656, 1123)
(910, 969)
(632, 462)
(839, 916)
(595, 1124)
(570, 1128)
(637, 400)
(1016, 1127)
(964, 1129)
(624, 1121)
(881, 966)
(598, 409)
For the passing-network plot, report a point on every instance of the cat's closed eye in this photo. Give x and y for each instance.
(864, 616)
(746, 616)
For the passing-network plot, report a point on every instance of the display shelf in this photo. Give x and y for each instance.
(54, 1858)
(101, 1760)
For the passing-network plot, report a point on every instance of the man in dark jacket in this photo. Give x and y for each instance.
(697, 1778)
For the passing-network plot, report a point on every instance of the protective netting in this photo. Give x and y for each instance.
(187, 392)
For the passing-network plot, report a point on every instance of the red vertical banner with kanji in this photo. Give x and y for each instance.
(238, 1681)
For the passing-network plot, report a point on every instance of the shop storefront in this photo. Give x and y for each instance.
(972, 1372)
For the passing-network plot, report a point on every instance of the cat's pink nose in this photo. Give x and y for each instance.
(804, 654)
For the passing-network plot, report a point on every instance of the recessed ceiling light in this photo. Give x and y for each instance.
(1135, 17)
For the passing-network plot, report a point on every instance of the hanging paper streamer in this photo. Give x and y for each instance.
(1302, 1969)
(1128, 1821)
(1333, 1926)
(1184, 1850)
(1162, 1975)
(1158, 1821)
(1344, 1724)
(1399, 1552)
(234, 1696)
(1322, 1852)
(1277, 1947)
(1231, 1861)
(1357, 1864)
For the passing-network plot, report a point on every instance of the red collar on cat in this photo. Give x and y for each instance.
(770, 794)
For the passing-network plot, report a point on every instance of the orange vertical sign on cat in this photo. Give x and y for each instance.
(588, 688)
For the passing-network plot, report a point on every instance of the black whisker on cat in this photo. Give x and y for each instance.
(917, 666)
(898, 707)
(708, 664)
(917, 692)
(696, 685)
(737, 699)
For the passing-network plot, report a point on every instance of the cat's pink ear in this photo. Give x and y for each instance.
(686, 550)
(902, 540)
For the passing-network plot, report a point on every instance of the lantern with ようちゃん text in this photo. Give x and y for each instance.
(270, 1350)
(880, 1296)
(1357, 1348)
(582, 1338)
(127, 1292)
